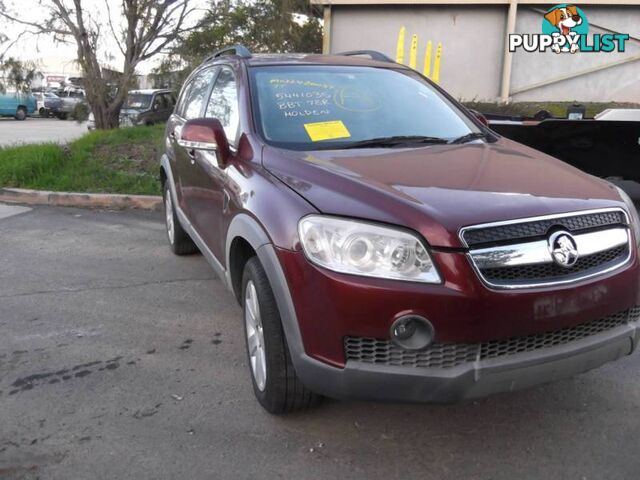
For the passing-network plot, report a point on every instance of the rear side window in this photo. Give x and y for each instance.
(161, 102)
(168, 100)
(223, 103)
(196, 93)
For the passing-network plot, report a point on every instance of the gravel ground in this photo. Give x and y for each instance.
(119, 360)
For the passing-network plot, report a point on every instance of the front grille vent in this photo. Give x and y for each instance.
(512, 232)
(449, 355)
(550, 271)
(442, 355)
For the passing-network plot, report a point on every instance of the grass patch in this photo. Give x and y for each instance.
(529, 109)
(114, 161)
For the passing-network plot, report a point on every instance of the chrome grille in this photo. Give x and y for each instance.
(449, 355)
(551, 271)
(518, 254)
(539, 228)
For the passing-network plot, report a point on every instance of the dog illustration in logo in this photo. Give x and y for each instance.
(564, 19)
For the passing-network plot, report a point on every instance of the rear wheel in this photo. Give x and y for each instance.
(21, 113)
(275, 383)
(179, 240)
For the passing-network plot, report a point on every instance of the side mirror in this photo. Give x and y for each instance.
(156, 107)
(206, 134)
(483, 120)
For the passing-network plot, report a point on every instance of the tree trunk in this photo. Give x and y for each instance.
(104, 118)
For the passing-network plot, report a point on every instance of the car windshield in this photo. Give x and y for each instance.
(326, 107)
(138, 101)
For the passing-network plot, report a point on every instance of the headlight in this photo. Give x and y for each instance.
(635, 221)
(360, 248)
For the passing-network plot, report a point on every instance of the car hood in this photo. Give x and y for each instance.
(437, 190)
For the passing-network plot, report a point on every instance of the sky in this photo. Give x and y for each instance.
(35, 48)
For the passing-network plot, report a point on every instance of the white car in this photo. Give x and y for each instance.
(620, 114)
(91, 122)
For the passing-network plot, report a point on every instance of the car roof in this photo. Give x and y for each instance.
(266, 59)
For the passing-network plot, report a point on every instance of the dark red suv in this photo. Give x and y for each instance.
(385, 244)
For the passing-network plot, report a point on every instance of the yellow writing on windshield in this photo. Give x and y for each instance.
(303, 83)
(326, 130)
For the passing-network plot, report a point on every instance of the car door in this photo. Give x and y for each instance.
(210, 200)
(164, 107)
(4, 104)
(192, 105)
(156, 111)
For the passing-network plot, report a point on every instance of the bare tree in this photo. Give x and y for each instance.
(14, 74)
(141, 29)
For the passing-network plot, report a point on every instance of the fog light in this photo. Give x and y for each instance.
(412, 332)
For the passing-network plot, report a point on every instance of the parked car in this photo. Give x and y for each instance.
(385, 244)
(143, 107)
(17, 105)
(70, 97)
(147, 107)
(619, 114)
(48, 103)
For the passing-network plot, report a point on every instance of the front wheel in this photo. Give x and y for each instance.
(275, 383)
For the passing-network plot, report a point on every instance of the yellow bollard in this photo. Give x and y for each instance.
(436, 64)
(413, 52)
(426, 71)
(400, 46)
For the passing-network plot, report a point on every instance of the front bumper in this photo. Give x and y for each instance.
(359, 380)
(462, 312)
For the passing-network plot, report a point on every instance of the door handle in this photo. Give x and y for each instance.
(192, 155)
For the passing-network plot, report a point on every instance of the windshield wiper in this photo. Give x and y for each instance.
(468, 137)
(396, 140)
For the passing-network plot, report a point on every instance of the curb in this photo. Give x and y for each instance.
(81, 200)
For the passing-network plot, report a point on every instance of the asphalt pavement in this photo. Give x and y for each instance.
(39, 130)
(119, 360)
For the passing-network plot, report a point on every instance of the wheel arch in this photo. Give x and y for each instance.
(244, 238)
(245, 230)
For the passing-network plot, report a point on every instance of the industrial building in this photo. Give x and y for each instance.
(476, 63)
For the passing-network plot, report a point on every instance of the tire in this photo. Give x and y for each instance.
(21, 113)
(277, 387)
(179, 240)
(63, 115)
(43, 112)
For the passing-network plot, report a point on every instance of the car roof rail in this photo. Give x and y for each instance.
(372, 54)
(237, 49)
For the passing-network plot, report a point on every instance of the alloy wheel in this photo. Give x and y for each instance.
(168, 209)
(255, 336)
